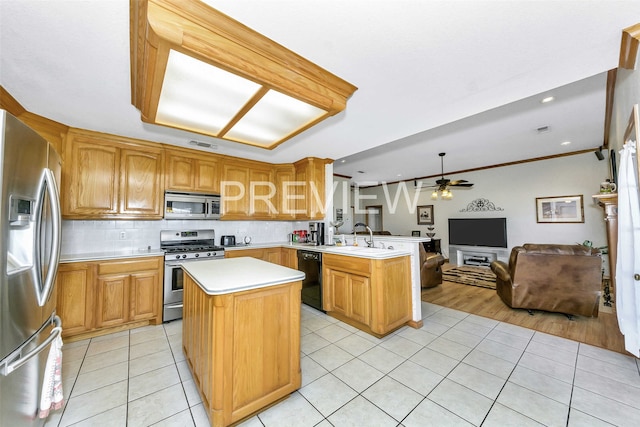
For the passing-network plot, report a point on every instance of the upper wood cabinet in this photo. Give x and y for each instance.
(190, 172)
(284, 201)
(247, 190)
(311, 200)
(111, 177)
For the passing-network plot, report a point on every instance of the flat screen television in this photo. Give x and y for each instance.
(490, 232)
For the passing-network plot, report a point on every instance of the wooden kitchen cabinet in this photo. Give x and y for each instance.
(289, 257)
(141, 193)
(112, 300)
(285, 202)
(121, 293)
(310, 175)
(273, 255)
(243, 348)
(188, 172)
(371, 294)
(105, 176)
(128, 290)
(75, 297)
(247, 190)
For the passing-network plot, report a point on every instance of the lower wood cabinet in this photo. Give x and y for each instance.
(371, 294)
(273, 255)
(75, 297)
(243, 348)
(289, 257)
(93, 296)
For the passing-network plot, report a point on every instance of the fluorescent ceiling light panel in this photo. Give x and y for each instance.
(197, 69)
(273, 118)
(199, 96)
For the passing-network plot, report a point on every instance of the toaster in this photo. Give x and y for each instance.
(228, 241)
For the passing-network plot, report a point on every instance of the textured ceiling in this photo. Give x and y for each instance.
(462, 77)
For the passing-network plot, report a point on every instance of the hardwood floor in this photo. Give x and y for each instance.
(601, 331)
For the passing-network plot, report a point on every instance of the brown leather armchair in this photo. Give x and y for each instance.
(559, 278)
(430, 268)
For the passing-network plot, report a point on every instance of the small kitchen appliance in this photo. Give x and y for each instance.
(228, 241)
(181, 246)
(316, 233)
(191, 206)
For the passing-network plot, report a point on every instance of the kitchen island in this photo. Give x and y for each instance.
(241, 334)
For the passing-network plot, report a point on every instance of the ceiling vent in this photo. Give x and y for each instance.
(204, 144)
(543, 129)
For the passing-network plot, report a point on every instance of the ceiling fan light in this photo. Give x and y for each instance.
(434, 195)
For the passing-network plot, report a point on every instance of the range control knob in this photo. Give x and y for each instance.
(197, 255)
(184, 256)
(208, 253)
(177, 256)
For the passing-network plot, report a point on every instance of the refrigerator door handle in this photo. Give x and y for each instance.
(48, 183)
(7, 367)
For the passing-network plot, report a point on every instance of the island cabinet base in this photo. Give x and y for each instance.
(373, 295)
(243, 348)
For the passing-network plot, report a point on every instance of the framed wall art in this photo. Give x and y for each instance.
(562, 209)
(425, 215)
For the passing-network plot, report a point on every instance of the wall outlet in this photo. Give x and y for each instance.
(123, 235)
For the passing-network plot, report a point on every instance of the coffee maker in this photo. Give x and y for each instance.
(316, 233)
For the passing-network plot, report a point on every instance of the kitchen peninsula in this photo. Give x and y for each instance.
(241, 334)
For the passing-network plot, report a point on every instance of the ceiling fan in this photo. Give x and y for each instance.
(442, 185)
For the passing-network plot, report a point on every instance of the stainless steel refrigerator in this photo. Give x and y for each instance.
(29, 254)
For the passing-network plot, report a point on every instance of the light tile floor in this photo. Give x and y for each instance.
(457, 370)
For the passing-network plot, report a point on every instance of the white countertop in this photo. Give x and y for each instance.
(127, 253)
(224, 276)
(374, 253)
(355, 251)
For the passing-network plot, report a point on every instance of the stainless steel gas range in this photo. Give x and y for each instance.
(181, 246)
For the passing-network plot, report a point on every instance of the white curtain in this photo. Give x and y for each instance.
(628, 263)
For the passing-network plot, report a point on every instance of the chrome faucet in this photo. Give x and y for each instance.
(368, 242)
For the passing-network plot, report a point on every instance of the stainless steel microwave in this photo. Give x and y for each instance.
(191, 206)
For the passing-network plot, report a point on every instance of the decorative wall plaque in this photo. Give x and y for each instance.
(481, 205)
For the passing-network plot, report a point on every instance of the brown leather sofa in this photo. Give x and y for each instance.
(558, 278)
(430, 268)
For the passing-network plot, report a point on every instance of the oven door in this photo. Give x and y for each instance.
(173, 279)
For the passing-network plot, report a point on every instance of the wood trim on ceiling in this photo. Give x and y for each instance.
(629, 47)
(499, 165)
(9, 103)
(608, 109)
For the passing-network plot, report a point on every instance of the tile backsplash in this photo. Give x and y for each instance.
(80, 236)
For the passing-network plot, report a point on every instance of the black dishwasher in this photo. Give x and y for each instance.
(310, 263)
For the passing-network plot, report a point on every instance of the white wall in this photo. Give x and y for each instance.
(514, 189)
(342, 199)
(627, 93)
(79, 237)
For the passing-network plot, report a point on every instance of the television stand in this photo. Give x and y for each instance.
(477, 255)
(483, 261)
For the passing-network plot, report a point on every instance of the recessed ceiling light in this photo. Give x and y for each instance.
(399, 174)
(343, 161)
(547, 99)
(565, 143)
